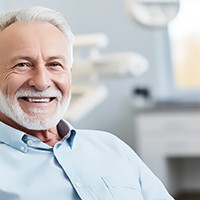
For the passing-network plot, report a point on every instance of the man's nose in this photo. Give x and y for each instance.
(40, 79)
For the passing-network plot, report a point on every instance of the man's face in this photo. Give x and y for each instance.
(35, 78)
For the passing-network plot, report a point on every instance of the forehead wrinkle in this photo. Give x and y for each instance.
(29, 58)
(32, 59)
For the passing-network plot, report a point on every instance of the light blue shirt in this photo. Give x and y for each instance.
(85, 164)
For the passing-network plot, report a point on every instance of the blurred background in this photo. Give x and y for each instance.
(136, 74)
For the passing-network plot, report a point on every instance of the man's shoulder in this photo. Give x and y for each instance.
(97, 135)
(101, 140)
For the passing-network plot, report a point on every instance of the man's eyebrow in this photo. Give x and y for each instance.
(58, 57)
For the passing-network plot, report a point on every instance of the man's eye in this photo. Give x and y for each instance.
(55, 67)
(22, 65)
(55, 64)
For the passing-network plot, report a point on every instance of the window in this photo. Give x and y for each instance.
(184, 34)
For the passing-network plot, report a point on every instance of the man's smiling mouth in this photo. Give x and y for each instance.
(38, 99)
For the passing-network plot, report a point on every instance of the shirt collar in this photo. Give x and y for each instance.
(66, 131)
(15, 138)
(12, 137)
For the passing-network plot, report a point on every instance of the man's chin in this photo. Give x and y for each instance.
(39, 123)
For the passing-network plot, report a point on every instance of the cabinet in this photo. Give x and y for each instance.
(165, 138)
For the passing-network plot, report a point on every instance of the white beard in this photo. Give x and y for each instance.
(10, 107)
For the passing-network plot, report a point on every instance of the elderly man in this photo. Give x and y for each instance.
(42, 155)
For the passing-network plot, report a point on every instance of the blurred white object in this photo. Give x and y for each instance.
(85, 99)
(89, 65)
(89, 44)
(122, 63)
(88, 61)
(91, 40)
(156, 13)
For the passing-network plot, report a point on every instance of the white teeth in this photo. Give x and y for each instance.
(41, 100)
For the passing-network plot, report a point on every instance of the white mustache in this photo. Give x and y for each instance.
(28, 92)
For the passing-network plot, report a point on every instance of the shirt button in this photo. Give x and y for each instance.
(22, 148)
(78, 184)
(30, 142)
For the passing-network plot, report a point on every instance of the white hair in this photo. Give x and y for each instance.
(40, 14)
